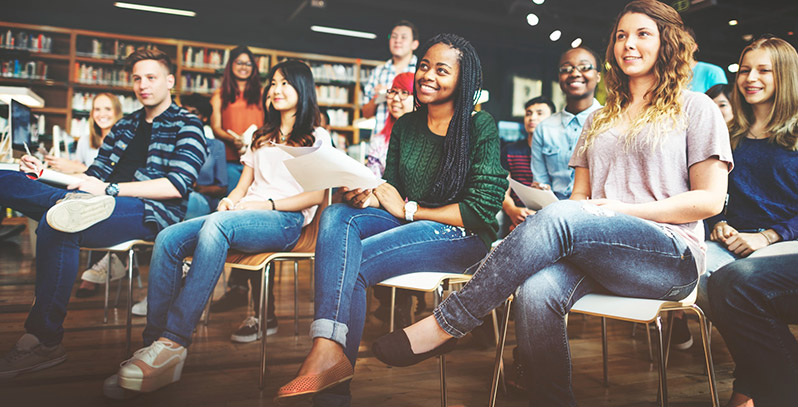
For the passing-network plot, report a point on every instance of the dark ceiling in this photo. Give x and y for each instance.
(506, 43)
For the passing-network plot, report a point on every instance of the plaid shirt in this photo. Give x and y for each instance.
(383, 75)
(176, 152)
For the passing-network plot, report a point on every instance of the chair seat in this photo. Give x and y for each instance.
(641, 310)
(424, 281)
(121, 247)
(257, 261)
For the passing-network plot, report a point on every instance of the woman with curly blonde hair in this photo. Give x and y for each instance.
(648, 167)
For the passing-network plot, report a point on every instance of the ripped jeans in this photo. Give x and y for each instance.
(555, 257)
(358, 248)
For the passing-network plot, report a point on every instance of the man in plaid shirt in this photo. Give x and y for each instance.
(403, 41)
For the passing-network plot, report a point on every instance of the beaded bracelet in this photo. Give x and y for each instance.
(770, 242)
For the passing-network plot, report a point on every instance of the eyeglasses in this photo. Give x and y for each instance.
(570, 68)
(242, 63)
(391, 93)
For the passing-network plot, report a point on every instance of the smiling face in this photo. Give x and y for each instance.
(755, 79)
(401, 42)
(725, 107)
(396, 106)
(282, 95)
(151, 83)
(438, 75)
(102, 112)
(242, 67)
(578, 84)
(637, 44)
(535, 114)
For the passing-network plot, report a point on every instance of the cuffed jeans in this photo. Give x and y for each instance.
(555, 257)
(58, 252)
(173, 308)
(358, 248)
(753, 301)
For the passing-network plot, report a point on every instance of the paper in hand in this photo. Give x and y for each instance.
(324, 166)
(532, 198)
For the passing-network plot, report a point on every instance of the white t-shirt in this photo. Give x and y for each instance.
(271, 177)
(83, 152)
(638, 174)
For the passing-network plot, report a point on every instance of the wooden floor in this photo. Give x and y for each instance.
(220, 373)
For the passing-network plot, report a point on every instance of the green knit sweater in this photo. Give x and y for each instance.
(414, 155)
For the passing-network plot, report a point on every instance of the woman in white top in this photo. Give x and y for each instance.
(265, 212)
(105, 111)
(650, 165)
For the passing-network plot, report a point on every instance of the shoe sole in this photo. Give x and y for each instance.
(252, 337)
(154, 382)
(90, 278)
(683, 345)
(292, 398)
(35, 368)
(76, 215)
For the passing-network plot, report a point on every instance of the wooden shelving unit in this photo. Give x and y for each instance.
(71, 48)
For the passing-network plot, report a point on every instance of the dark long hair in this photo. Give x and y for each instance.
(455, 163)
(229, 87)
(308, 117)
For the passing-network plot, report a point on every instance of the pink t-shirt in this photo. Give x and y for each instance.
(271, 177)
(640, 174)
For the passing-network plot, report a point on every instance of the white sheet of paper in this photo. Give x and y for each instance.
(246, 136)
(51, 177)
(324, 166)
(533, 198)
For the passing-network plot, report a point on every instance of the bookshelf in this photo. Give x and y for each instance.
(67, 67)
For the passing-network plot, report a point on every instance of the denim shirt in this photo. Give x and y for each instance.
(552, 146)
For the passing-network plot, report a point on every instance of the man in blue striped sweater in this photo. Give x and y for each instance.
(138, 184)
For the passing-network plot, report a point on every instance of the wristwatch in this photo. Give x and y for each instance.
(112, 189)
(410, 209)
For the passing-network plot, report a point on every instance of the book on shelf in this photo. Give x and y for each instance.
(16, 68)
(35, 42)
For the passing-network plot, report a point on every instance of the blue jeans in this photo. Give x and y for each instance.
(57, 260)
(753, 301)
(198, 205)
(358, 248)
(555, 257)
(174, 308)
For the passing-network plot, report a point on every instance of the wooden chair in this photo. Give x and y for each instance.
(129, 248)
(262, 262)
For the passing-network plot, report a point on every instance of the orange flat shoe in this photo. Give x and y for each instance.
(311, 384)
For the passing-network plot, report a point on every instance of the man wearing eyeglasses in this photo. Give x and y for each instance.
(554, 139)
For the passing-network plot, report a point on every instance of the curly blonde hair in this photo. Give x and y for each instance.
(782, 121)
(672, 70)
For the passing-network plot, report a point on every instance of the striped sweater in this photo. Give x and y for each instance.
(177, 151)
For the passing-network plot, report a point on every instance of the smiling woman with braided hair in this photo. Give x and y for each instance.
(437, 210)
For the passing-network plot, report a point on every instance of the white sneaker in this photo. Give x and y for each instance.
(153, 367)
(96, 274)
(77, 213)
(140, 308)
(112, 390)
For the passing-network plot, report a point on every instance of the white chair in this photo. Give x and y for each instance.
(435, 282)
(129, 247)
(640, 310)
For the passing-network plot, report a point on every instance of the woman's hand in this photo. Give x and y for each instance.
(64, 165)
(256, 205)
(91, 185)
(613, 205)
(743, 244)
(517, 215)
(391, 200)
(226, 204)
(358, 198)
(30, 164)
(538, 185)
(721, 232)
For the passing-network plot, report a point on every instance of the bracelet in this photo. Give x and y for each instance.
(770, 242)
(272, 201)
(230, 201)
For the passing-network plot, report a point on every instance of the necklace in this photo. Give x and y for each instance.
(283, 137)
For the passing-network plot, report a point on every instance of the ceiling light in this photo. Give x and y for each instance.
(555, 35)
(163, 10)
(342, 31)
(748, 37)
(733, 22)
(538, 2)
(575, 43)
(734, 68)
(532, 19)
(22, 95)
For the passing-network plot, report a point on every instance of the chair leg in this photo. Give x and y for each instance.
(668, 339)
(136, 265)
(705, 327)
(650, 350)
(502, 337)
(129, 324)
(107, 288)
(264, 301)
(312, 279)
(207, 318)
(496, 328)
(604, 351)
(296, 298)
(663, 379)
(393, 307)
(442, 359)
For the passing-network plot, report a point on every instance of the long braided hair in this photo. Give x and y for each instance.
(454, 166)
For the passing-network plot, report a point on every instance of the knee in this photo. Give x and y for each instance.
(335, 214)
(733, 284)
(214, 227)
